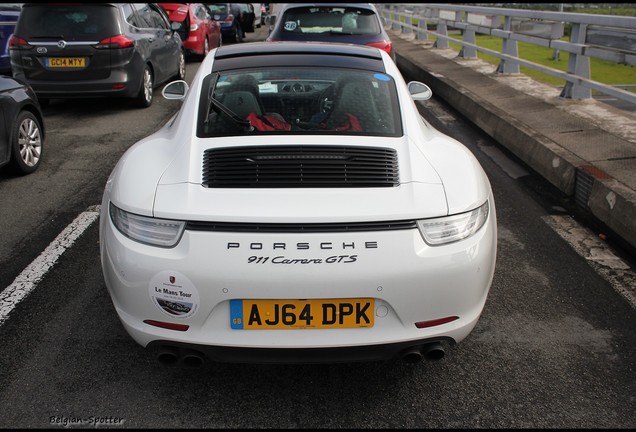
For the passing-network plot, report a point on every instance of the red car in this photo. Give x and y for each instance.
(199, 30)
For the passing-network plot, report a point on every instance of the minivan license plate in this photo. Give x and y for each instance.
(301, 314)
(65, 62)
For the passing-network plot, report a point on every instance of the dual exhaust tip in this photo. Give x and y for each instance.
(169, 355)
(428, 352)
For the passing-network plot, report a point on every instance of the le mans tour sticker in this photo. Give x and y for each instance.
(174, 294)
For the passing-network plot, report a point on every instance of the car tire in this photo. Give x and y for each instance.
(144, 97)
(181, 67)
(26, 143)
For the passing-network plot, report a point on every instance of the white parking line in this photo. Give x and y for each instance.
(30, 276)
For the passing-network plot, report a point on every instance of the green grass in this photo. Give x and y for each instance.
(602, 71)
(622, 11)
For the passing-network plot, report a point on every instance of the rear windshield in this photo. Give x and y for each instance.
(329, 19)
(218, 8)
(300, 100)
(68, 22)
(16, 7)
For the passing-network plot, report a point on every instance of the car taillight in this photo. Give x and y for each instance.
(435, 322)
(229, 18)
(167, 325)
(115, 42)
(449, 229)
(18, 43)
(194, 27)
(384, 45)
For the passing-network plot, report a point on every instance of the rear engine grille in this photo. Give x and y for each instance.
(300, 167)
(301, 228)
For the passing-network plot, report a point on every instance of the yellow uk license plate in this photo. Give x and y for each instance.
(65, 62)
(301, 314)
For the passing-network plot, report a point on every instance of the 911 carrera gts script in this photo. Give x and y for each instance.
(334, 259)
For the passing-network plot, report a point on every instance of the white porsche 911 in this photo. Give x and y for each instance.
(298, 208)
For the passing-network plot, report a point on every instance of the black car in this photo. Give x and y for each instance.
(264, 12)
(247, 17)
(354, 23)
(21, 127)
(71, 50)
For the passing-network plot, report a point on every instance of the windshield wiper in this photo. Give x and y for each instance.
(222, 109)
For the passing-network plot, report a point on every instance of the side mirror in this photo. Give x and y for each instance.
(175, 25)
(419, 91)
(176, 90)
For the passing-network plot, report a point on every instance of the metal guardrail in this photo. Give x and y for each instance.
(607, 37)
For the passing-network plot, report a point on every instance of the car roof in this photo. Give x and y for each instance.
(353, 5)
(293, 47)
(292, 53)
(177, 14)
(27, 5)
(67, 4)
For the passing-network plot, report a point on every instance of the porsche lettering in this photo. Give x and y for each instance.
(304, 246)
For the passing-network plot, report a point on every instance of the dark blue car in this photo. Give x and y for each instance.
(9, 13)
(229, 16)
(353, 23)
